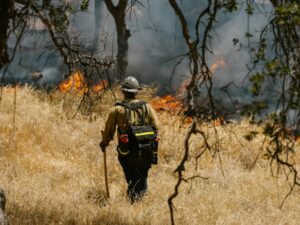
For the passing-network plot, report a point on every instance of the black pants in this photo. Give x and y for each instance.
(136, 178)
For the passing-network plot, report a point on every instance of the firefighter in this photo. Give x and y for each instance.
(135, 174)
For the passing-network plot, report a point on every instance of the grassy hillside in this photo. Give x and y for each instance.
(52, 170)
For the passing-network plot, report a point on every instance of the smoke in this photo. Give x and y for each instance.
(157, 38)
(237, 56)
(155, 44)
(35, 55)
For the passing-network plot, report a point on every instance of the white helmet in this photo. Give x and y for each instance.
(130, 84)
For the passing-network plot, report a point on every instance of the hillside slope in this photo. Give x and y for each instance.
(52, 170)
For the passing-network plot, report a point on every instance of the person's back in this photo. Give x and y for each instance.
(117, 117)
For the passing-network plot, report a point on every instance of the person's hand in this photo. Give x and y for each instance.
(103, 146)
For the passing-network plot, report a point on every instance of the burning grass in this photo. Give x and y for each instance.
(52, 171)
(76, 84)
(168, 102)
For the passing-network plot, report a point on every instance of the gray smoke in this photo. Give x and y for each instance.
(156, 39)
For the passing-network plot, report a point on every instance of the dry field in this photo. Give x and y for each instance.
(52, 170)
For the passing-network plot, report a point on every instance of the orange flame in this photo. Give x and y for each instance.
(100, 86)
(219, 121)
(75, 84)
(167, 102)
(173, 103)
(181, 90)
(219, 63)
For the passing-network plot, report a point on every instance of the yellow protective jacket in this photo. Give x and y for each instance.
(117, 117)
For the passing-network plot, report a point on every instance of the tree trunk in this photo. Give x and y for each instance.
(98, 19)
(6, 12)
(119, 14)
(122, 57)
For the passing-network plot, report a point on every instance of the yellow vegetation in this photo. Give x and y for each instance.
(52, 170)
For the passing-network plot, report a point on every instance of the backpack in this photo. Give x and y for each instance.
(138, 142)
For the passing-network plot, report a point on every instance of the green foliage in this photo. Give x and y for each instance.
(271, 67)
(250, 9)
(59, 17)
(288, 14)
(230, 5)
(248, 35)
(255, 108)
(84, 5)
(235, 41)
(260, 55)
(278, 59)
(257, 81)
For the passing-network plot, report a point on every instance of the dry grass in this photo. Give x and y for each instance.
(52, 171)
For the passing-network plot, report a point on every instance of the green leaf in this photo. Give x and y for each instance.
(250, 9)
(235, 41)
(230, 5)
(84, 5)
(257, 81)
(248, 35)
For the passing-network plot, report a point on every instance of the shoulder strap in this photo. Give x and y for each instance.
(134, 106)
(126, 106)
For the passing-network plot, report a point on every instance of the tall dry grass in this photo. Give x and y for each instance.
(52, 170)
